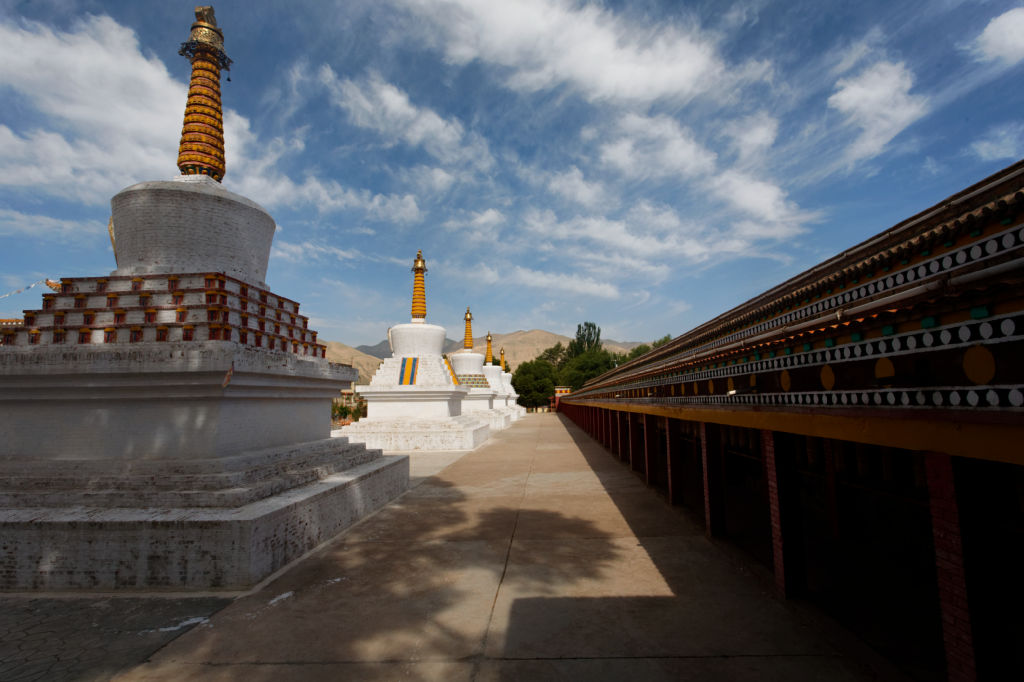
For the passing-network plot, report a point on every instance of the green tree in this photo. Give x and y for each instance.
(554, 356)
(637, 352)
(644, 348)
(534, 381)
(584, 367)
(588, 337)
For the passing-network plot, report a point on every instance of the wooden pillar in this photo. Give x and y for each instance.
(636, 452)
(636, 441)
(606, 420)
(630, 419)
(668, 459)
(648, 446)
(622, 434)
(831, 493)
(772, 478)
(604, 427)
(949, 566)
(610, 415)
(711, 459)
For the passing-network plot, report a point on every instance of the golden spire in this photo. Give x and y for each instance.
(490, 356)
(201, 151)
(504, 367)
(419, 290)
(468, 341)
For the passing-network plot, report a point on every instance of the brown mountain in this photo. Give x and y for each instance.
(347, 355)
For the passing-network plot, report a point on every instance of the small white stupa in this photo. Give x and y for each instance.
(469, 368)
(493, 372)
(510, 391)
(414, 401)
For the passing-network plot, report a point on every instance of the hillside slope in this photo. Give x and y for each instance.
(347, 355)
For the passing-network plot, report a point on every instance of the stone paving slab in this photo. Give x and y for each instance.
(90, 638)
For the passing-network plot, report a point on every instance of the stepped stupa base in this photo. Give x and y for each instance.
(187, 466)
(190, 548)
(465, 432)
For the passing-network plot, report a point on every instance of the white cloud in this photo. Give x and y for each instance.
(659, 147)
(545, 43)
(601, 262)
(45, 228)
(487, 220)
(752, 136)
(932, 167)
(1003, 38)
(428, 180)
(778, 217)
(311, 251)
(646, 233)
(119, 112)
(1001, 142)
(378, 105)
(878, 101)
(328, 196)
(656, 146)
(858, 51)
(260, 178)
(561, 282)
(573, 187)
(478, 226)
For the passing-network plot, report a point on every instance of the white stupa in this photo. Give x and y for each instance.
(469, 368)
(167, 425)
(510, 392)
(414, 401)
(502, 400)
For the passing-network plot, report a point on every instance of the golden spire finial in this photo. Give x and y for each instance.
(201, 150)
(419, 289)
(468, 341)
(504, 367)
(490, 356)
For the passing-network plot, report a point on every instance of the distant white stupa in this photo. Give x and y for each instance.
(470, 370)
(414, 400)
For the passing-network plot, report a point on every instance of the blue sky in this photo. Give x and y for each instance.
(644, 165)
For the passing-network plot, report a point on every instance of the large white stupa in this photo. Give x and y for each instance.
(414, 401)
(168, 425)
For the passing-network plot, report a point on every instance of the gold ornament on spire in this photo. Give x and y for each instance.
(467, 342)
(419, 289)
(504, 367)
(490, 356)
(201, 151)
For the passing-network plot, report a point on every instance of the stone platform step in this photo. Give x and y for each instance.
(88, 547)
(209, 483)
(465, 432)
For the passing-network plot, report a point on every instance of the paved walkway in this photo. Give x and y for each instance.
(538, 556)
